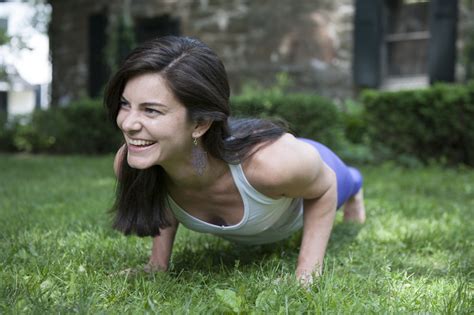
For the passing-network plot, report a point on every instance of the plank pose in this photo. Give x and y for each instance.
(185, 160)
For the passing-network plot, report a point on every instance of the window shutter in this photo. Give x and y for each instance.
(442, 47)
(367, 42)
(3, 104)
(98, 71)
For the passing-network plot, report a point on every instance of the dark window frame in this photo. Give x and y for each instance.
(391, 80)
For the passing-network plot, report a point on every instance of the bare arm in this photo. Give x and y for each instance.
(318, 219)
(292, 168)
(320, 203)
(162, 247)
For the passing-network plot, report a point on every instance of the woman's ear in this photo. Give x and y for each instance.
(201, 127)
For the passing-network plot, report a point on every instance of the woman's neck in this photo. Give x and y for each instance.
(185, 176)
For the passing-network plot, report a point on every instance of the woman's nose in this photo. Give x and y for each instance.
(131, 122)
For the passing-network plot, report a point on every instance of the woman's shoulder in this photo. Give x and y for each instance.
(277, 164)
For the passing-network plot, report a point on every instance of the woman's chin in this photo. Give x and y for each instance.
(139, 165)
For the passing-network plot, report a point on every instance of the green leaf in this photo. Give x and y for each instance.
(266, 300)
(230, 299)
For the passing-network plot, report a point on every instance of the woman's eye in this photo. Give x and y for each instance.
(152, 111)
(123, 104)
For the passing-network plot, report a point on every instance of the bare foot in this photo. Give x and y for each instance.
(354, 209)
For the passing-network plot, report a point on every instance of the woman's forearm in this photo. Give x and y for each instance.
(162, 247)
(318, 219)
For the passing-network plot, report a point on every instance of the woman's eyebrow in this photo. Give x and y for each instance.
(145, 103)
(152, 104)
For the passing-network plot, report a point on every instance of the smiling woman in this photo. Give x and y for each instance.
(154, 123)
(186, 161)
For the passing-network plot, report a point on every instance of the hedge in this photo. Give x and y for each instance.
(82, 127)
(434, 124)
(309, 116)
(7, 132)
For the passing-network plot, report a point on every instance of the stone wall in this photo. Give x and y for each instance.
(311, 40)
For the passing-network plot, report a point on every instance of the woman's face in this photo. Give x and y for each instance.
(154, 123)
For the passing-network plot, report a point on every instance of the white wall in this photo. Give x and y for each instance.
(21, 102)
(32, 65)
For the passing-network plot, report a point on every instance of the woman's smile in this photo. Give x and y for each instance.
(139, 145)
(133, 148)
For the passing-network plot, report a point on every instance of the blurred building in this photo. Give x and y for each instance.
(331, 47)
(404, 44)
(24, 61)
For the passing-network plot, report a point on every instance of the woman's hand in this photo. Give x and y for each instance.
(147, 268)
(152, 267)
(306, 277)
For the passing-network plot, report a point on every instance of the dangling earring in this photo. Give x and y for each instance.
(199, 158)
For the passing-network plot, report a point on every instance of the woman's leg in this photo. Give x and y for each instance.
(349, 183)
(354, 208)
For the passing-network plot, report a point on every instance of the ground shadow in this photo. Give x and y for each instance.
(222, 255)
(342, 236)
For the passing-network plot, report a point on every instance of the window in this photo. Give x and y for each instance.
(3, 24)
(98, 71)
(3, 102)
(407, 38)
(404, 43)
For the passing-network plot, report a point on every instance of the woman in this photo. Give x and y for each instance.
(184, 161)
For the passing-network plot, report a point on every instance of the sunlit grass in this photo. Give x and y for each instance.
(58, 253)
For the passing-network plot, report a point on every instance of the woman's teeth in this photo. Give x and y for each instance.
(140, 143)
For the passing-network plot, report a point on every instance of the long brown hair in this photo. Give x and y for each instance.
(197, 77)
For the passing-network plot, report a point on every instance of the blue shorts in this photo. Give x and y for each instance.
(349, 179)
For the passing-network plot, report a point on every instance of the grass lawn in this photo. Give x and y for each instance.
(58, 254)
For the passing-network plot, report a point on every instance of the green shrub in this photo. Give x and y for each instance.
(7, 131)
(39, 131)
(433, 124)
(309, 116)
(354, 121)
(82, 127)
(88, 129)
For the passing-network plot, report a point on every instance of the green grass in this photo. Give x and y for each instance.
(58, 253)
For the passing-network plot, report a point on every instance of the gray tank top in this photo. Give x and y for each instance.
(265, 219)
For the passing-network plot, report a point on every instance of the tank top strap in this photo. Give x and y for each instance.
(244, 185)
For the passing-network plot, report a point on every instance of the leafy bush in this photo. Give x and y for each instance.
(432, 124)
(88, 129)
(309, 116)
(82, 127)
(7, 130)
(354, 122)
(40, 131)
